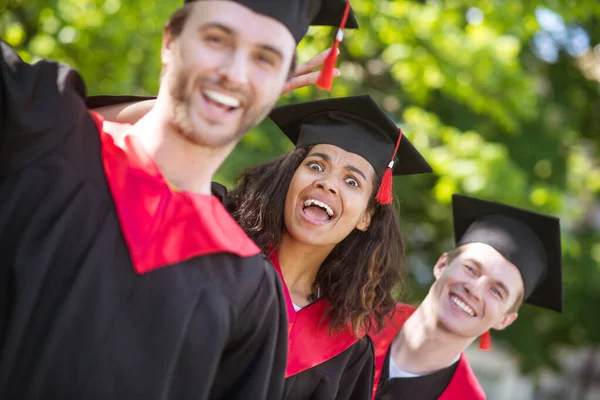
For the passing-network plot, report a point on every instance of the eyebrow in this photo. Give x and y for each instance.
(229, 31)
(348, 167)
(276, 52)
(216, 25)
(497, 282)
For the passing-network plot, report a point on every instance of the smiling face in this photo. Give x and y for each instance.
(224, 71)
(329, 196)
(475, 291)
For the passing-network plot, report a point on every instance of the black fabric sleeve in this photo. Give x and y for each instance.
(248, 343)
(262, 344)
(356, 383)
(39, 105)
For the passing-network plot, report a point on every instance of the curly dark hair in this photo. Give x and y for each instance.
(360, 277)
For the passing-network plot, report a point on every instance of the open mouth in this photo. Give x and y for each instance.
(463, 306)
(318, 210)
(221, 100)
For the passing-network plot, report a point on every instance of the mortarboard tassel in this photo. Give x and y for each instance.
(384, 194)
(325, 80)
(485, 341)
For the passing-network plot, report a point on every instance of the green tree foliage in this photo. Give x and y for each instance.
(501, 96)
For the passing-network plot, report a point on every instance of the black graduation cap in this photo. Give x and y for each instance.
(356, 124)
(297, 15)
(529, 240)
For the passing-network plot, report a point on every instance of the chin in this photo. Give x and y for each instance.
(205, 136)
(307, 238)
(457, 326)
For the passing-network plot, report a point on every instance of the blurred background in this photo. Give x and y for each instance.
(501, 96)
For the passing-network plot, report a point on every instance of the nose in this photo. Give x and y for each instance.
(234, 69)
(326, 186)
(475, 289)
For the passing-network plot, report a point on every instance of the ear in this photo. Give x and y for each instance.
(506, 321)
(166, 50)
(441, 263)
(365, 220)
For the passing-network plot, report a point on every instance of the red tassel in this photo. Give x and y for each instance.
(485, 341)
(325, 80)
(384, 194)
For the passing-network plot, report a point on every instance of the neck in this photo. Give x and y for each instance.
(423, 346)
(300, 264)
(185, 164)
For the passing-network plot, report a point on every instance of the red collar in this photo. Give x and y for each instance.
(162, 227)
(464, 384)
(310, 341)
(383, 339)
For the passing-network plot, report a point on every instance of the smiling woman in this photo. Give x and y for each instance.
(338, 250)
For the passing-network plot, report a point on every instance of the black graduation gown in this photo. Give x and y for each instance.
(111, 285)
(324, 366)
(349, 375)
(426, 387)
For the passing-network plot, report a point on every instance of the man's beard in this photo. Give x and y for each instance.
(181, 94)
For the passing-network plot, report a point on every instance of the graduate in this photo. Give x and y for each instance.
(504, 256)
(122, 276)
(324, 215)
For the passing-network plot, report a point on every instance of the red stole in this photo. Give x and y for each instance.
(464, 384)
(310, 341)
(162, 227)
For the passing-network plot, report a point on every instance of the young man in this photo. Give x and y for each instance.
(113, 284)
(504, 256)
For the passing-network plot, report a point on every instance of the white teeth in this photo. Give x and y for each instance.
(463, 306)
(222, 98)
(313, 202)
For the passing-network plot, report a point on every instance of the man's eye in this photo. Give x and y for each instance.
(214, 39)
(266, 60)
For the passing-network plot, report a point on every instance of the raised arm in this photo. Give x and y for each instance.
(123, 109)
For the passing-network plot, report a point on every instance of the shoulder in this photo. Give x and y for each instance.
(250, 278)
(392, 322)
(405, 309)
(365, 344)
(361, 350)
(464, 383)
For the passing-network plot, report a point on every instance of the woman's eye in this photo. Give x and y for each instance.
(352, 182)
(497, 292)
(315, 167)
(470, 269)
